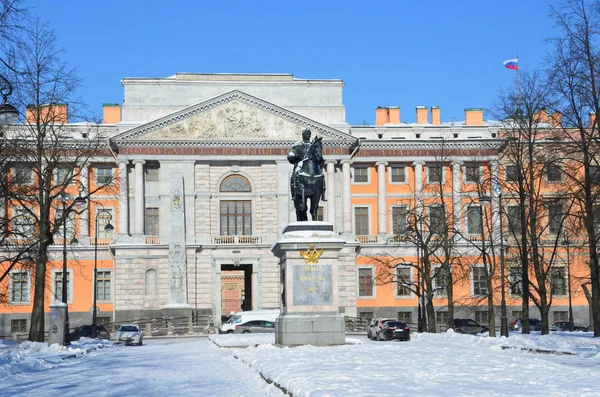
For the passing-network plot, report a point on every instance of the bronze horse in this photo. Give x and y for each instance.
(308, 181)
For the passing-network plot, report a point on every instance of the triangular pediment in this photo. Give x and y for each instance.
(233, 116)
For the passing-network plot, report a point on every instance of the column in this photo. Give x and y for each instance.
(123, 198)
(456, 194)
(331, 191)
(139, 198)
(419, 187)
(346, 202)
(84, 218)
(381, 204)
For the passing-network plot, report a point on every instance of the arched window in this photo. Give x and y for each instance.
(236, 215)
(235, 183)
(151, 282)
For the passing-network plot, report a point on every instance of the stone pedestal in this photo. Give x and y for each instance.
(56, 325)
(308, 256)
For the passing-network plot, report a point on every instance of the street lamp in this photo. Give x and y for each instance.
(108, 228)
(77, 203)
(484, 201)
(566, 243)
(503, 317)
(8, 113)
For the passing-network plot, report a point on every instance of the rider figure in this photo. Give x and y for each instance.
(297, 154)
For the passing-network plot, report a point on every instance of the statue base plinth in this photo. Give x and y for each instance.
(310, 329)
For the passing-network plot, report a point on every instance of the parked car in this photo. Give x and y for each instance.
(130, 334)
(85, 331)
(468, 326)
(255, 327)
(564, 326)
(534, 324)
(394, 330)
(376, 325)
(240, 318)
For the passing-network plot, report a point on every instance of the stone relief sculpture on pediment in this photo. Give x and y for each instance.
(233, 120)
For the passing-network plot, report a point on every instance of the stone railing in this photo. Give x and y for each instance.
(152, 239)
(237, 240)
(366, 239)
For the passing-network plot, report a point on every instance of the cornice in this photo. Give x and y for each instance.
(440, 145)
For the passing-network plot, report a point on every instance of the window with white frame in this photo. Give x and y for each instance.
(436, 219)
(561, 316)
(361, 175)
(64, 175)
(515, 281)
(442, 317)
(482, 317)
(513, 213)
(19, 287)
(105, 216)
(557, 281)
(361, 221)
(398, 174)
(441, 278)
(474, 225)
(403, 281)
(435, 173)
(555, 218)
(365, 282)
(22, 175)
(405, 317)
(512, 173)
(479, 281)
(103, 285)
(18, 325)
(399, 219)
(58, 286)
(23, 223)
(151, 171)
(472, 173)
(553, 172)
(68, 227)
(104, 175)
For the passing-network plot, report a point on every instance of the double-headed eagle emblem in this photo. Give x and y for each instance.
(311, 255)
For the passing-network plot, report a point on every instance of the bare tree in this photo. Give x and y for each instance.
(42, 160)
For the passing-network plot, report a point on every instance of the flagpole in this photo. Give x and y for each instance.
(518, 86)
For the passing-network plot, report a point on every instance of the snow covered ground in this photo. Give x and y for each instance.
(429, 365)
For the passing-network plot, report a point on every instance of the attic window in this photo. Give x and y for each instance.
(84, 135)
(362, 137)
(474, 137)
(455, 135)
(436, 137)
(417, 136)
(493, 134)
(398, 137)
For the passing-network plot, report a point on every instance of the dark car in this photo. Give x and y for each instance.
(394, 330)
(564, 326)
(534, 324)
(255, 326)
(468, 326)
(85, 331)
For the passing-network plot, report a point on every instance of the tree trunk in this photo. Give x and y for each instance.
(37, 328)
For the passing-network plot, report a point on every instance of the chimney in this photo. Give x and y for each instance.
(421, 114)
(56, 113)
(473, 116)
(382, 116)
(556, 119)
(592, 119)
(112, 113)
(435, 115)
(394, 115)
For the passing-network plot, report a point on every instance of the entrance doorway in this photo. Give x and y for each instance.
(236, 289)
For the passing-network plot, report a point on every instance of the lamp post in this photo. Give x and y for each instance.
(503, 317)
(78, 202)
(108, 228)
(566, 243)
(484, 201)
(8, 113)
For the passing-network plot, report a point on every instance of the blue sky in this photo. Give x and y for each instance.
(388, 53)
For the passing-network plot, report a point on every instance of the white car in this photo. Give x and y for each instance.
(130, 334)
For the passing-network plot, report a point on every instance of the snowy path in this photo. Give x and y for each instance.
(159, 368)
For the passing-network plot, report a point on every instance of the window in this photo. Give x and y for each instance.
(405, 317)
(479, 281)
(320, 214)
(236, 218)
(555, 218)
(19, 287)
(399, 218)
(512, 173)
(403, 281)
(58, 285)
(64, 175)
(472, 173)
(435, 173)
(361, 221)
(18, 325)
(104, 218)
(103, 285)
(365, 282)
(513, 213)
(151, 282)
(104, 176)
(398, 174)
(151, 222)
(482, 317)
(553, 173)
(23, 175)
(441, 277)
(474, 225)
(436, 217)
(561, 316)
(442, 317)
(23, 223)
(151, 173)
(594, 171)
(361, 175)
(515, 281)
(557, 281)
(235, 183)
(365, 317)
